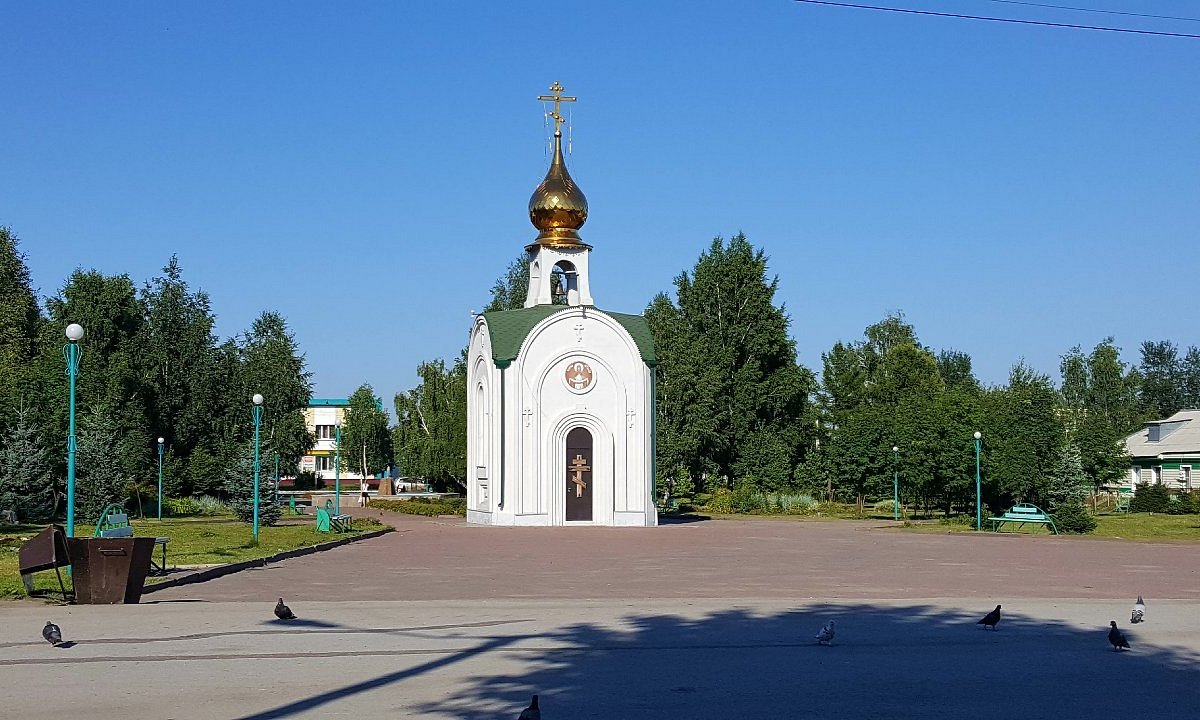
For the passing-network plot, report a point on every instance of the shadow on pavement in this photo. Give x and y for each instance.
(886, 661)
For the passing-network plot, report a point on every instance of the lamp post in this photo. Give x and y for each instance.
(337, 467)
(276, 477)
(258, 401)
(71, 353)
(160, 451)
(895, 482)
(978, 497)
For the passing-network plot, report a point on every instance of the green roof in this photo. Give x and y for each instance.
(509, 328)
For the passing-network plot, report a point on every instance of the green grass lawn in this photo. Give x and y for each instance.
(194, 541)
(1126, 526)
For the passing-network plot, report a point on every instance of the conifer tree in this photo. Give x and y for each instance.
(26, 482)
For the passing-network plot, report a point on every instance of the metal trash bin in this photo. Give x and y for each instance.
(45, 551)
(108, 571)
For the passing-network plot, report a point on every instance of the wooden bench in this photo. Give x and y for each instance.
(329, 521)
(114, 523)
(1023, 513)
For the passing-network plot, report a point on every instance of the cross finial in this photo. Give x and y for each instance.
(557, 97)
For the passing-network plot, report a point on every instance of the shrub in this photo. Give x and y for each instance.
(430, 507)
(789, 504)
(1074, 518)
(1151, 498)
(746, 500)
(192, 506)
(884, 507)
(239, 486)
(306, 480)
(721, 501)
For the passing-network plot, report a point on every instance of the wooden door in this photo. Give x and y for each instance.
(579, 475)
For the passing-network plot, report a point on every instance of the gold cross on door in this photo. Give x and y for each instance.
(578, 467)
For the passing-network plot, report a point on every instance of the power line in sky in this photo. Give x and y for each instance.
(959, 16)
(1095, 10)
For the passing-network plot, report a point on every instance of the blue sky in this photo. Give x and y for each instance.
(364, 168)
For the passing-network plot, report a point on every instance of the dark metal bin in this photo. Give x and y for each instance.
(45, 551)
(108, 571)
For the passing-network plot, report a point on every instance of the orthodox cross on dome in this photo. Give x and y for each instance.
(557, 98)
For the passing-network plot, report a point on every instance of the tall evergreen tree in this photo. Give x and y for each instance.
(271, 364)
(20, 324)
(26, 482)
(365, 436)
(100, 477)
(179, 362)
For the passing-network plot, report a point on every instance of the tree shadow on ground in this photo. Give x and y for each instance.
(886, 661)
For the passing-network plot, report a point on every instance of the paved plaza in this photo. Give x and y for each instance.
(706, 619)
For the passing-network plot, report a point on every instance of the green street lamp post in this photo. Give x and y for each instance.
(895, 482)
(337, 468)
(160, 451)
(978, 496)
(72, 353)
(258, 401)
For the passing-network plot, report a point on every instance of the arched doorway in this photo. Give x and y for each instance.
(579, 475)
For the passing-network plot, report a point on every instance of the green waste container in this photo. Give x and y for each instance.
(109, 571)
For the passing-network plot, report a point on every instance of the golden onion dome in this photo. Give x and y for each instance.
(558, 207)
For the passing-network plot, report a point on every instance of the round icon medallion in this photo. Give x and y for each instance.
(578, 376)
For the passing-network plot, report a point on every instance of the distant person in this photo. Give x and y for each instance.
(364, 493)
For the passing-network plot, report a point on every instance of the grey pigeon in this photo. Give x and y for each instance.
(51, 633)
(1116, 637)
(825, 637)
(533, 712)
(1139, 611)
(283, 612)
(990, 620)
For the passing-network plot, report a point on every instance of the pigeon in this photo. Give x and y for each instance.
(283, 612)
(52, 634)
(1116, 637)
(1139, 611)
(990, 620)
(825, 637)
(533, 712)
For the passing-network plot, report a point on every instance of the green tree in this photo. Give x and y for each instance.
(955, 368)
(271, 364)
(430, 437)
(26, 482)
(1161, 391)
(1022, 437)
(1189, 379)
(179, 366)
(109, 379)
(510, 289)
(1099, 396)
(238, 485)
(743, 365)
(100, 477)
(365, 435)
(1068, 482)
(20, 324)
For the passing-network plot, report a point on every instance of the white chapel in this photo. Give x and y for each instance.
(560, 394)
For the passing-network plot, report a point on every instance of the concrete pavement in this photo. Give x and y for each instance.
(703, 620)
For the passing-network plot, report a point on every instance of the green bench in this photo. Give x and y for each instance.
(114, 523)
(329, 521)
(1023, 513)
